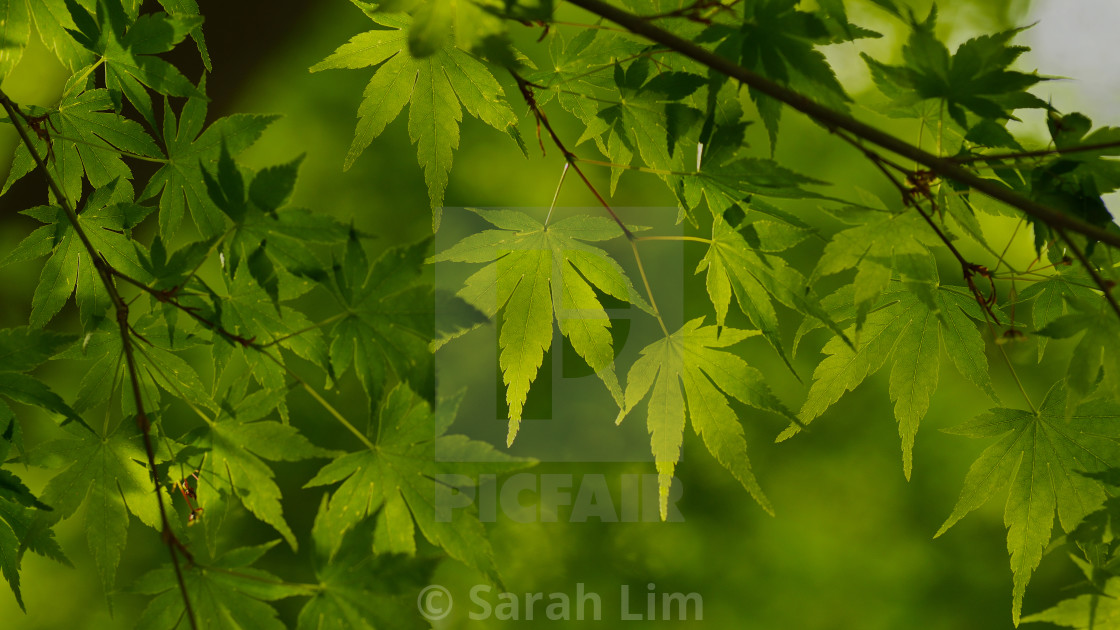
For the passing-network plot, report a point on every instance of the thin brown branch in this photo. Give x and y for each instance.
(968, 269)
(1104, 285)
(168, 297)
(106, 272)
(1019, 155)
(542, 120)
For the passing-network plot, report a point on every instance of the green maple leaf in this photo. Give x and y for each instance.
(51, 19)
(910, 332)
(86, 139)
(1074, 182)
(725, 184)
(188, 148)
(185, 10)
(389, 318)
(395, 479)
(127, 46)
(535, 271)
(780, 42)
(247, 310)
(158, 365)
(975, 78)
(107, 218)
(477, 25)
(226, 594)
(356, 591)
(21, 530)
(236, 443)
(1091, 611)
(649, 119)
(1040, 456)
(271, 238)
(1094, 366)
(1048, 303)
(437, 87)
(757, 280)
(21, 350)
(692, 358)
(879, 244)
(108, 472)
(583, 65)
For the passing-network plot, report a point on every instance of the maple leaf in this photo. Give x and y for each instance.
(1074, 182)
(780, 42)
(1091, 611)
(188, 148)
(107, 218)
(389, 318)
(248, 311)
(437, 87)
(51, 19)
(357, 591)
(1094, 366)
(692, 358)
(1048, 303)
(226, 593)
(910, 332)
(1040, 456)
(535, 271)
(724, 184)
(157, 363)
(23, 349)
(127, 46)
(107, 471)
(235, 443)
(271, 238)
(974, 78)
(87, 138)
(648, 119)
(757, 280)
(21, 530)
(879, 244)
(395, 479)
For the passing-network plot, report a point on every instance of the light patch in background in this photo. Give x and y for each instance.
(1075, 39)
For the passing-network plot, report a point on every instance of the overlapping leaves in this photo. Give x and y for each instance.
(908, 327)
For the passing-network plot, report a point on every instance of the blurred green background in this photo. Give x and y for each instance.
(851, 545)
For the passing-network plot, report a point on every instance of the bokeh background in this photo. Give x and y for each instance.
(851, 545)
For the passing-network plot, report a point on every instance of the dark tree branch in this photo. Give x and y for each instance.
(542, 120)
(106, 272)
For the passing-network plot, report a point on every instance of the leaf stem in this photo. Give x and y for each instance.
(322, 401)
(634, 167)
(1018, 155)
(697, 239)
(556, 195)
(85, 73)
(1105, 286)
(649, 291)
(326, 322)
